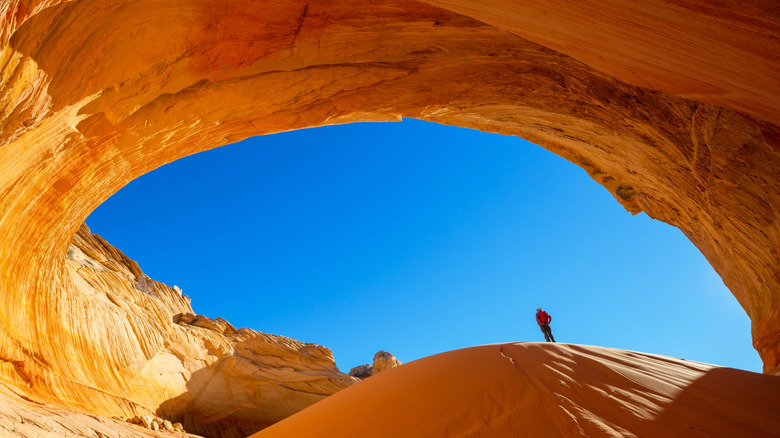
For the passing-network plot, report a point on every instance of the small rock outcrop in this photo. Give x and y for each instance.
(156, 423)
(383, 361)
(218, 325)
(361, 371)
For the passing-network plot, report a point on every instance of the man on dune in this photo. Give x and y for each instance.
(543, 319)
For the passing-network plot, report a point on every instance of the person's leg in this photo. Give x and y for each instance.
(547, 332)
(546, 338)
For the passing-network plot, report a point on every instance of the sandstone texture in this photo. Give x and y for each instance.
(671, 105)
(383, 361)
(361, 371)
(156, 423)
(21, 417)
(143, 354)
(721, 53)
(546, 390)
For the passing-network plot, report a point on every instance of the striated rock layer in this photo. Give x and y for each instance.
(94, 94)
(23, 418)
(721, 53)
(546, 390)
(142, 350)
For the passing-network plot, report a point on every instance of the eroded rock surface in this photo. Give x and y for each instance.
(719, 53)
(361, 371)
(95, 94)
(21, 417)
(156, 360)
(156, 423)
(383, 361)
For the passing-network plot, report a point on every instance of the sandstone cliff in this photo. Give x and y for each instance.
(149, 353)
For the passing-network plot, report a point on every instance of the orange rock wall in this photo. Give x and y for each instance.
(94, 94)
(134, 347)
(718, 52)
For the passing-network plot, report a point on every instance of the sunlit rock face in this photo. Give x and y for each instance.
(21, 417)
(678, 121)
(384, 361)
(721, 53)
(145, 351)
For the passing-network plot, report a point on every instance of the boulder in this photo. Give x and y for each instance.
(384, 361)
(361, 371)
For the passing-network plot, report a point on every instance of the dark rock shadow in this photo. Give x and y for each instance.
(204, 410)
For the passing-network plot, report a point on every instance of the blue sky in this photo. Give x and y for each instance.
(417, 238)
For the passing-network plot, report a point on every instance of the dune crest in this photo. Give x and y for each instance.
(546, 390)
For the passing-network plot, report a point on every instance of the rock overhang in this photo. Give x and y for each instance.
(96, 94)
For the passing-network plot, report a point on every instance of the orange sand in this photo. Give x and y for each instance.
(546, 390)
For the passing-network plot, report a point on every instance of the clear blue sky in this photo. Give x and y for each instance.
(417, 238)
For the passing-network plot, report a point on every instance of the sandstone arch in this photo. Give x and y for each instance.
(95, 94)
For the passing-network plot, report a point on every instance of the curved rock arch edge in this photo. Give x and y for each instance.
(85, 112)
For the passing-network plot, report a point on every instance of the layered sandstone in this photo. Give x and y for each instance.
(150, 354)
(546, 390)
(383, 361)
(671, 105)
(721, 53)
(23, 418)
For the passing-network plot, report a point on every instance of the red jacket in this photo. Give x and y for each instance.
(543, 317)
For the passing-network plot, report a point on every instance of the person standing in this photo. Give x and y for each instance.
(543, 319)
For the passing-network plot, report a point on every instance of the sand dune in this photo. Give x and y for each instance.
(546, 390)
